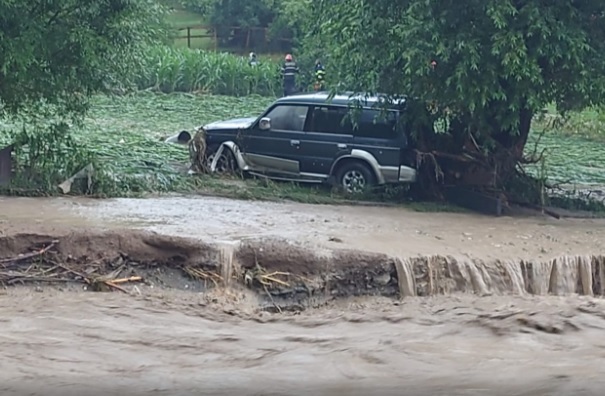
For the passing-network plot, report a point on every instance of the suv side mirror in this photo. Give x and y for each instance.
(265, 124)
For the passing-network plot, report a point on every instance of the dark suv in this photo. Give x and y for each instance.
(343, 140)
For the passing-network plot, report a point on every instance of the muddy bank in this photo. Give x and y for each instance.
(283, 275)
(157, 337)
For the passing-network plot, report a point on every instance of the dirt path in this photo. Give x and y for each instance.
(393, 231)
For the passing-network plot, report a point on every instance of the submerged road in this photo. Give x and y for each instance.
(394, 231)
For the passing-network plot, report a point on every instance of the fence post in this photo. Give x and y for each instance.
(248, 40)
(188, 37)
(6, 165)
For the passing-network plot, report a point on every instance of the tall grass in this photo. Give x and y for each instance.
(170, 69)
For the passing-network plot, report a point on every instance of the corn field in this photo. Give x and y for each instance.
(169, 69)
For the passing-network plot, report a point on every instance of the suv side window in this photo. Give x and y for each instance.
(328, 119)
(375, 124)
(288, 118)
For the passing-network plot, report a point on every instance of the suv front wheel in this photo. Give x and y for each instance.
(226, 163)
(355, 177)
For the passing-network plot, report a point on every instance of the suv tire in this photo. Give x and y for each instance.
(226, 164)
(355, 177)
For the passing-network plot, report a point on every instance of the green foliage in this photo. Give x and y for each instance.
(122, 137)
(292, 20)
(46, 155)
(169, 69)
(497, 61)
(54, 55)
(61, 51)
(587, 124)
(285, 19)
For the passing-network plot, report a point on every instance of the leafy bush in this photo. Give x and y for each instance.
(46, 155)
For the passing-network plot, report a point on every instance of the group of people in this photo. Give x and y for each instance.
(290, 69)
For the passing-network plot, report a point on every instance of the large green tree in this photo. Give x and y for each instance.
(487, 66)
(55, 54)
(59, 52)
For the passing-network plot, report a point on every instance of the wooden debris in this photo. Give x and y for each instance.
(127, 280)
(197, 273)
(22, 257)
(42, 266)
(114, 286)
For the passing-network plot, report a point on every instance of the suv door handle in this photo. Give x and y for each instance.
(295, 142)
(342, 146)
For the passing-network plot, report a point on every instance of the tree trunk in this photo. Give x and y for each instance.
(456, 159)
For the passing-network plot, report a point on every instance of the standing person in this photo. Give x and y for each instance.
(289, 71)
(320, 75)
(252, 60)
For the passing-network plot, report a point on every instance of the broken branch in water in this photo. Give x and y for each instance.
(267, 279)
(100, 283)
(114, 286)
(38, 279)
(260, 275)
(28, 255)
(36, 267)
(69, 270)
(127, 280)
(199, 274)
(272, 299)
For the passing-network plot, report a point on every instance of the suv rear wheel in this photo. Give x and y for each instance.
(355, 177)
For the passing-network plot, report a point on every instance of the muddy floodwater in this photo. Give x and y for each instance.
(66, 344)
(62, 340)
(395, 231)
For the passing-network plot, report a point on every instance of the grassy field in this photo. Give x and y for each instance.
(570, 159)
(588, 124)
(574, 148)
(125, 136)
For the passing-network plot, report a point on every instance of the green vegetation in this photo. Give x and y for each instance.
(123, 137)
(488, 68)
(180, 19)
(587, 124)
(568, 159)
(59, 52)
(169, 69)
(265, 25)
(497, 66)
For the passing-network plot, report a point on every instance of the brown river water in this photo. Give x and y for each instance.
(175, 343)
(74, 344)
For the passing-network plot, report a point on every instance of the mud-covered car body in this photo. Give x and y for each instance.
(315, 138)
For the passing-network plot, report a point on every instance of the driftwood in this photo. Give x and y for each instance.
(29, 255)
(43, 265)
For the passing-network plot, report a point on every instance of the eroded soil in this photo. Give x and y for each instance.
(160, 338)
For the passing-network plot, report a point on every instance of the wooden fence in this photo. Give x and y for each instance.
(247, 35)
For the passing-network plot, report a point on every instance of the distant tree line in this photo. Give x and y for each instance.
(284, 21)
